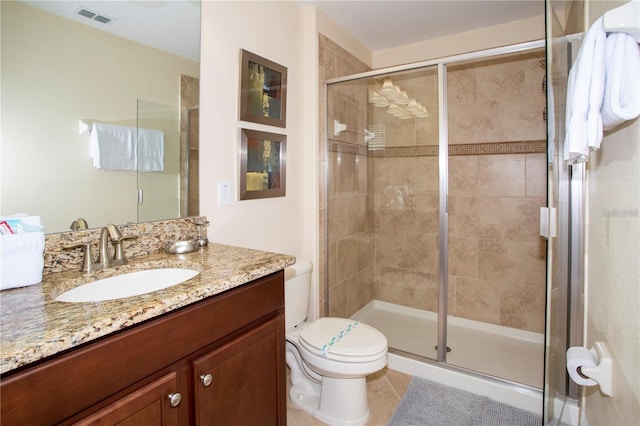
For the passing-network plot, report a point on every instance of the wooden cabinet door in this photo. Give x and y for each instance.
(149, 405)
(243, 381)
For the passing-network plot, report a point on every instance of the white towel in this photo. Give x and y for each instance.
(150, 152)
(112, 147)
(585, 91)
(622, 80)
(21, 259)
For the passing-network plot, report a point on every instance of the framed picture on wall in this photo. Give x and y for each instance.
(263, 163)
(263, 90)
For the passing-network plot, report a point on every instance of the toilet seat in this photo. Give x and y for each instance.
(343, 340)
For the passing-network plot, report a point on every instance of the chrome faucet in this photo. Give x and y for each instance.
(109, 235)
(104, 255)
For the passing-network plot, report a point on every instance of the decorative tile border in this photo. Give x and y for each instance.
(347, 148)
(519, 147)
(408, 151)
(496, 148)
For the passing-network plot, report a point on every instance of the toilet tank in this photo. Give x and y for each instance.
(297, 288)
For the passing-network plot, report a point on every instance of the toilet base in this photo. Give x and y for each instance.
(343, 401)
(339, 402)
(305, 389)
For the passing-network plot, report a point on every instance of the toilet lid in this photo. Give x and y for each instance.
(342, 337)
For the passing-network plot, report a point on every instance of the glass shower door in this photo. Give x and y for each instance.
(496, 186)
(158, 131)
(435, 180)
(383, 206)
(557, 387)
(406, 209)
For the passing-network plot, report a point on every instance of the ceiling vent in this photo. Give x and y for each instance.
(94, 16)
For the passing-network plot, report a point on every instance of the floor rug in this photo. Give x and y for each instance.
(427, 403)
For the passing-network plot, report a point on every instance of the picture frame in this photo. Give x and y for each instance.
(263, 168)
(263, 90)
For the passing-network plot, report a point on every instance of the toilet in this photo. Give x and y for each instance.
(329, 358)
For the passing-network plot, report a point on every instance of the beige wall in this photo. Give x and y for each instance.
(470, 41)
(274, 30)
(613, 278)
(612, 271)
(47, 88)
(343, 39)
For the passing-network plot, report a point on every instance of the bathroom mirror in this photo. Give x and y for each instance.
(64, 65)
(262, 165)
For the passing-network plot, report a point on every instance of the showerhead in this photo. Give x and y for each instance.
(338, 127)
(375, 137)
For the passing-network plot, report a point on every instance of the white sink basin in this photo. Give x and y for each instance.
(127, 285)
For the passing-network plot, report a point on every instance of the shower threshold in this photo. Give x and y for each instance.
(508, 353)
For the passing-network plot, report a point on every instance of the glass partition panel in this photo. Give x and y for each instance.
(557, 389)
(497, 184)
(383, 206)
(433, 215)
(158, 160)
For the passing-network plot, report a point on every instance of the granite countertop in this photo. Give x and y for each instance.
(34, 326)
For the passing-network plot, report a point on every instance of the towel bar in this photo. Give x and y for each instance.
(625, 18)
(84, 126)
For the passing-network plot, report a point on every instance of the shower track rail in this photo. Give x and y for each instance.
(445, 60)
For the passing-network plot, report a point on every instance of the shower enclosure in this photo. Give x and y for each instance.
(174, 191)
(435, 176)
(159, 192)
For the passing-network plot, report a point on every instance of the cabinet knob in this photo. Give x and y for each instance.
(206, 379)
(175, 399)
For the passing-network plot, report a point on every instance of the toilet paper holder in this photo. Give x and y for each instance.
(602, 370)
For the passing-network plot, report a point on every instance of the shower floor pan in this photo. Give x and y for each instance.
(504, 352)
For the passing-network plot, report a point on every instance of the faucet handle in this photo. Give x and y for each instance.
(87, 261)
(119, 252)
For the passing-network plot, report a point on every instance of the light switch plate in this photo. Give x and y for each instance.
(224, 193)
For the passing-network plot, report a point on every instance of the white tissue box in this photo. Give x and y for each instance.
(21, 259)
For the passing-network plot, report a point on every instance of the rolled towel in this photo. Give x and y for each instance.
(622, 80)
(585, 91)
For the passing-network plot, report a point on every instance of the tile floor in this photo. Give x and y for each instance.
(385, 389)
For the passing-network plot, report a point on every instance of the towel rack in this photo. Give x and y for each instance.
(84, 126)
(625, 18)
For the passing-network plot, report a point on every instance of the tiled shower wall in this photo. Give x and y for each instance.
(383, 205)
(350, 227)
(497, 182)
(189, 145)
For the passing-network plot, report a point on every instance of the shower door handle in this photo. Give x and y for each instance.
(547, 222)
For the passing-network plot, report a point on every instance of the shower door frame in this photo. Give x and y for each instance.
(443, 158)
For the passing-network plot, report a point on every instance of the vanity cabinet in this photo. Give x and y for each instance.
(153, 404)
(233, 373)
(218, 361)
